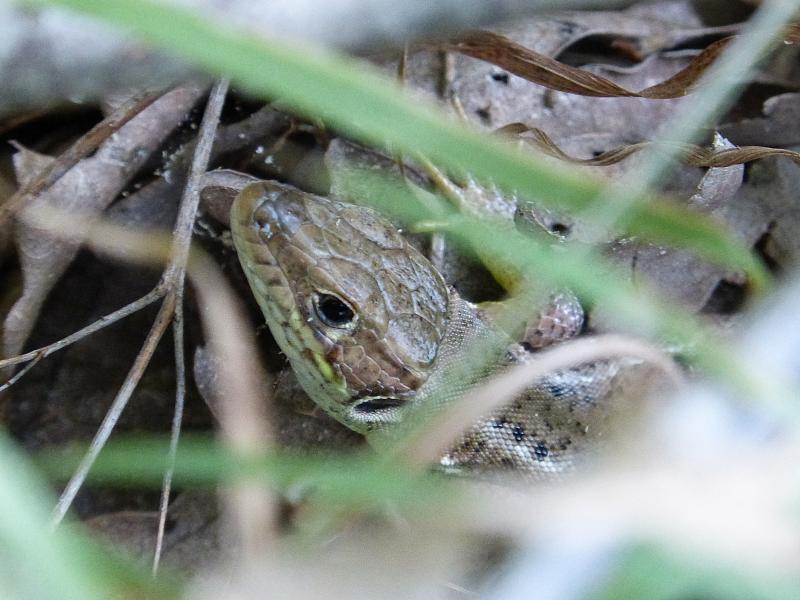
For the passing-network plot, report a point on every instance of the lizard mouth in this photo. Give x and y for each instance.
(378, 408)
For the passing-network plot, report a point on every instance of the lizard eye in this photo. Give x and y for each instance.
(333, 311)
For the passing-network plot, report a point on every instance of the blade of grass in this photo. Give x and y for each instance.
(55, 564)
(717, 89)
(349, 96)
(589, 275)
(351, 479)
(657, 573)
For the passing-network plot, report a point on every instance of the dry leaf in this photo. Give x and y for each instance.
(88, 188)
(192, 541)
(548, 72)
(780, 125)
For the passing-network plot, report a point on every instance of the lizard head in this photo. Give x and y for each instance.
(358, 311)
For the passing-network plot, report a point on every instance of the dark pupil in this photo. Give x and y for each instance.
(333, 311)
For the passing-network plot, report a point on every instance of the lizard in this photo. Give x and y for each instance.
(371, 329)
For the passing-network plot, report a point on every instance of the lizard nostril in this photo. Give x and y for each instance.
(263, 217)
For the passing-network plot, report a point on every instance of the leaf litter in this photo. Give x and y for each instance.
(639, 54)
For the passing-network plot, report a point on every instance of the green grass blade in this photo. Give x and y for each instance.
(352, 97)
(656, 573)
(38, 563)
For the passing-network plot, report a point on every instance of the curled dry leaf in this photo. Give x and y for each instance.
(690, 154)
(546, 71)
(88, 189)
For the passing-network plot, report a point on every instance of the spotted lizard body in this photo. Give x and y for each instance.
(372, 330)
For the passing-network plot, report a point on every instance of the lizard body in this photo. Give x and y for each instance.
(371, 328)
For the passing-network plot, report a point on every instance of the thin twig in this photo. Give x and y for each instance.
(112, 416)
(86, 144)
(177, 420)
(45, 351)
(17, 376)
(440, 432)
(175, 276)
(182, 233)
(173, 280)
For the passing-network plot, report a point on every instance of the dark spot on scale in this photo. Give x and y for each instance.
(541, 451)
(507, 462)
(500, 77)
(567, 28)
(483, 114)
(519, 432)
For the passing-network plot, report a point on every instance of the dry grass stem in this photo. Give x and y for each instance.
(739, 512)
(174, 279)
(172, 284)
(163, 319)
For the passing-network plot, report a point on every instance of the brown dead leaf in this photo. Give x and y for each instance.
(719, 185)
(771, 195)
(28, 164)
(193, 540)
(642, 30)
(780, 125)
(680, 275)
(88, 188)
(553, 74)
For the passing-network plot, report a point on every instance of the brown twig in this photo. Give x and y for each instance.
(174, 278)
(160, 325)
(241, 416)
(19, 374)
(173, 281)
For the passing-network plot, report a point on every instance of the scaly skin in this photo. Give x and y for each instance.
(369, 326)
(297, 250)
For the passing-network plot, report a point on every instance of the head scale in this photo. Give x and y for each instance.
(358, 311)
